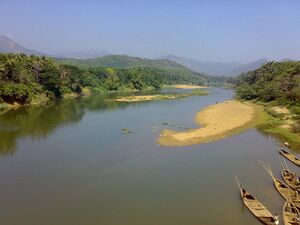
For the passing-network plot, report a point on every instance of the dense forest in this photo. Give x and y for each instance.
(169, 69)
(273, 81)
(27, 78)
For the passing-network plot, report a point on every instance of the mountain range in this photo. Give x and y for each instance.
(104, 58)
(216, 68)
(84, 54)
(7, 45)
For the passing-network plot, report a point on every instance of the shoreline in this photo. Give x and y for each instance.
(157, 97)
(39, 100)
(269, 119)
(217, 122)
(278, 121)
(188, 86)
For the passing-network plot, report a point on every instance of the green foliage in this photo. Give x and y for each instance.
(171, 71)
(24, 77)
(274, 81)
(12, 92)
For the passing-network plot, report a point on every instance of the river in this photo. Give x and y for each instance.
(68, 163)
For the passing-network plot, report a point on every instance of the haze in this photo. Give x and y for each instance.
(203, 30)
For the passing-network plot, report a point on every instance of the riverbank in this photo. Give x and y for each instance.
(218, 121)
(187, 86)
(142, 98)
(283, 122)
(231, 117)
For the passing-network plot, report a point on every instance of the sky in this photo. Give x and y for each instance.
(206, 30)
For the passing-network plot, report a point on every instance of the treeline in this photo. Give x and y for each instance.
(170, 70)
(274, 81)
(24, 78)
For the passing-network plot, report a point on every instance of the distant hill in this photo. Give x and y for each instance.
(84, 54)
(122, 61)
(215, 68)
(9, 46)
(170, 68)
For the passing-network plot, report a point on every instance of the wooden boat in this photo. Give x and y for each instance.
(257, 208)
(290, 157)
(286, 192)
(290, 178)
(290, 214)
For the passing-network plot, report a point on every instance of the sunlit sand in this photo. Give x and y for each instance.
(185, 86)
(218, 121)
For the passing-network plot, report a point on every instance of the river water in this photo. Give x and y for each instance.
(68, 163)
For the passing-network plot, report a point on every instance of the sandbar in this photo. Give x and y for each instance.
(218, 121)
(186, 86)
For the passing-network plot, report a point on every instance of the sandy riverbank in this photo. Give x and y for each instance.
(141, 98)
(186, 86)
(218, 121)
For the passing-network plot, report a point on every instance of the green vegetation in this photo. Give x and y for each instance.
(171, 71)
(274, 81)
(32, 79)
(275, 84)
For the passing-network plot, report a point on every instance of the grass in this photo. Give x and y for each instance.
(271, 122)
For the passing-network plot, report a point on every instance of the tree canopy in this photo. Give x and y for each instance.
(24, 77)
(274, 81)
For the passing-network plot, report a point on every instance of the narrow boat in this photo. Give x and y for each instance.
(257, 208)
(286, 192)
(290, 178)
(290, 157)
(290, 214)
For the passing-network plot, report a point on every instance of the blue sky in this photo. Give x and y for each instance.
(215, 30)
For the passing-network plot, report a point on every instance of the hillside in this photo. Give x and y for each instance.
(9, 46)
(121, 61)
(215, 68)
(169, 68)
(274, 81)
(83, 54)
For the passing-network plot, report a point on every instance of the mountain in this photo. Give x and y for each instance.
(170, 68)
(9, 46)
(122, 61)
(249, 66)
(84, 54)
(215, 68)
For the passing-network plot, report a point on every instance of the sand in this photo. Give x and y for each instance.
(185, 86)
(140, 98)
(218, 121)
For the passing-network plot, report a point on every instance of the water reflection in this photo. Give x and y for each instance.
(40, 121)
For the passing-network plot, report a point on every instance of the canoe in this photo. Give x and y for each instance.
(286, 192)
(257, 208)
(291, 179)
(290, 214)
(290, 157)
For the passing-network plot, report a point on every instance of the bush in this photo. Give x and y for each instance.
(11, 93)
